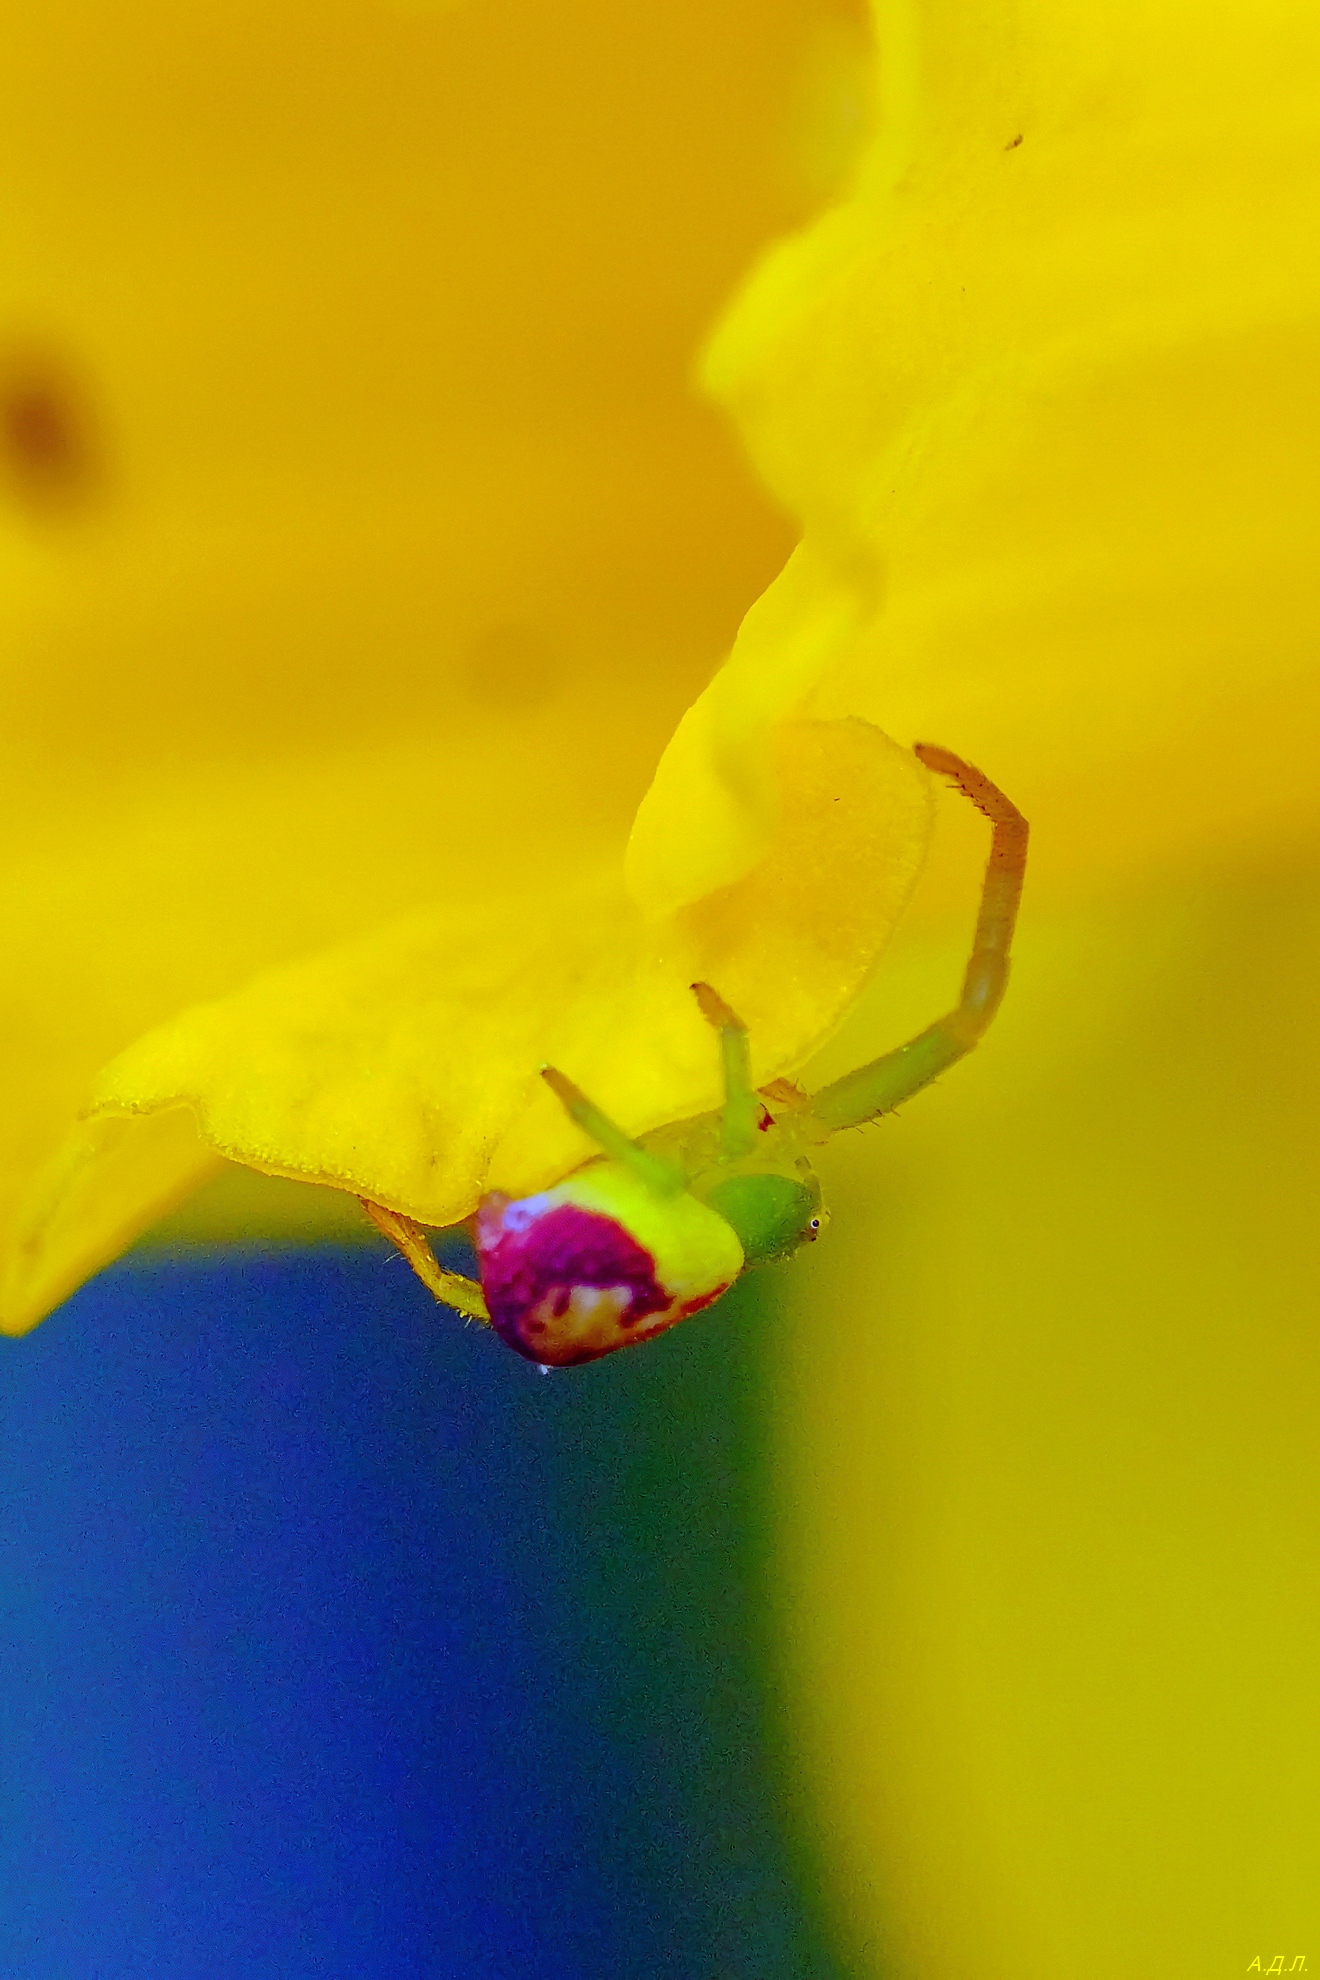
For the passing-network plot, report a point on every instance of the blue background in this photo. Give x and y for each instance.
(337, 1641)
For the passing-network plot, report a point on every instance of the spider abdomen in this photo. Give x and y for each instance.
(601, 1261)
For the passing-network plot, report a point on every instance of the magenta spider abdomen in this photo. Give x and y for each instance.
(598, 1263)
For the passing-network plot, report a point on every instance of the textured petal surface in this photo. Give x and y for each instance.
(361, 537)
(1043, 394)
(404, 1067)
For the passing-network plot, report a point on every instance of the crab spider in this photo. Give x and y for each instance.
(654, 1229)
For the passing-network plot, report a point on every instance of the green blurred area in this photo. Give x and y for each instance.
(241, 1206)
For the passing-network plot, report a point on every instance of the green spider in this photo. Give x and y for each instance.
(652, 1230)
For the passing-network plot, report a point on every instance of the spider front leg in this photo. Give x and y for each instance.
(612, 1140)
(877, 1088)
(742, 1107)
(411, 1241)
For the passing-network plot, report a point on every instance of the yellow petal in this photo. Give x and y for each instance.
(711, 807)
(404, 1067)
(360, 535)
(1043, 393)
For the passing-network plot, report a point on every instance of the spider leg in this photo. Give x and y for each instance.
(450, 1288)
(874, 1089)
(742, 1108)
(609, 1136)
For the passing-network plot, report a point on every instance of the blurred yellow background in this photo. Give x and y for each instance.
(1047, 1461)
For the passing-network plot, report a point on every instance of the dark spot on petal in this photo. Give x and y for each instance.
(49, 454)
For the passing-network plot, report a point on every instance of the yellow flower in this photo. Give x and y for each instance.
(330, 625)
(1043, 392)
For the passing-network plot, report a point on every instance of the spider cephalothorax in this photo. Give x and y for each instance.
(655, 1229)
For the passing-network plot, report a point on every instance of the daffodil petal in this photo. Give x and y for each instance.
(404, 1066)
(1042, 395)
(359, 530)
(711, 808)
(113, 1175)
